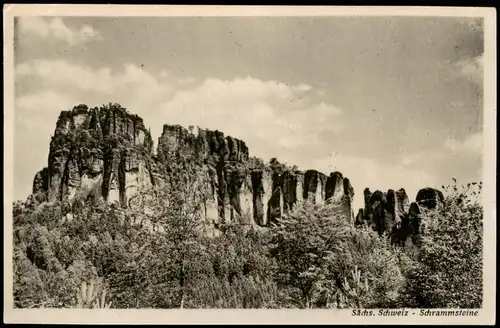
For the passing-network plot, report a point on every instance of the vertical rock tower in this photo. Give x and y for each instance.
(243, 189)
(391, 212)
(107, 152)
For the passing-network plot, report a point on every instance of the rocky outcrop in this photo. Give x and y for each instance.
(429, 198)
(41, 181)
(391, 212)
(107, 152)
(402, 204)
(104, 151)
(244, 190)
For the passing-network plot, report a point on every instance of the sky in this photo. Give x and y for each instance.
(390, 102)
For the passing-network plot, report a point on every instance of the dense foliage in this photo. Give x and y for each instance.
(95, 254)
(449, 270)
(320, 255)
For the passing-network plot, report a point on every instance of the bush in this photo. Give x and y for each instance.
(314, 257)
(450, 266)
(317, 249)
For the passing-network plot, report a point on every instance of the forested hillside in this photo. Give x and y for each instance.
(312, 258)
(201, 224)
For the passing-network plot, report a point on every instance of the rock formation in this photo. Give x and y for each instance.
(427, 199)
(391, 212)
(104, 150)
(108, 152)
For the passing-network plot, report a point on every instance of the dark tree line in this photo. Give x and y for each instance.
(100, 256)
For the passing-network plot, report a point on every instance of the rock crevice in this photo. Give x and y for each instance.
(108, 152)
(392, 213)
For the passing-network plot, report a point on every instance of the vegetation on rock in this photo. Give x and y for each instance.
(91, 251)
(311, 258)
(448, 271)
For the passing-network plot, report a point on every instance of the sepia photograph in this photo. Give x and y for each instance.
(278, 160)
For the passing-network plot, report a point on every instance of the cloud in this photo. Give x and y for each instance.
(472, 69)
(472, 144)
(244, 107)
(59, 73)
(35, 116)
(434, 167)
(291, 122)
(43, 102)
(459, 158)
(62, 73)
(34, 123)
(133, 85)
(473, 23)
(303, 87)
(365, 172)
(55, 28)
(272, 117)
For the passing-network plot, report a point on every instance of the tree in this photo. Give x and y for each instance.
(239, 272)
(318, 250)
(178, 210)
(450, 265)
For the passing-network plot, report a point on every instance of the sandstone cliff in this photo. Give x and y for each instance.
(391, 212)
(108, 152)
(104, 150)
(242, 189)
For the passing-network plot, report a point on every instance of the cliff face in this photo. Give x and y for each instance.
(243, 189)
(107, 152)
(391, 212)
(384, 211)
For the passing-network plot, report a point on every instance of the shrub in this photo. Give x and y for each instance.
(449, 269)
(317, 249)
